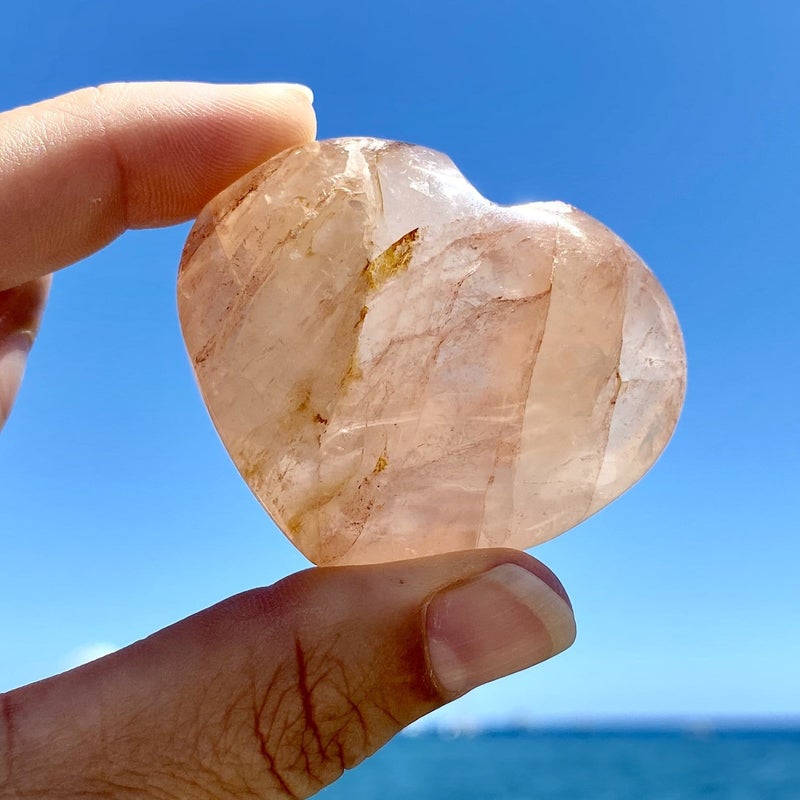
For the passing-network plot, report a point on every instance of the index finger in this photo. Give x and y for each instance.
(78, 170)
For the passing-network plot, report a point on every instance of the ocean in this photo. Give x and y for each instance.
(581, 765)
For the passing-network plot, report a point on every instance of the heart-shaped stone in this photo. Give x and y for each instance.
(399, 367)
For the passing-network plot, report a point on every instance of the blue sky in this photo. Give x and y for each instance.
(674, 123)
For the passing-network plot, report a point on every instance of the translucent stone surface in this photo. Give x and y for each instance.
(399, 367)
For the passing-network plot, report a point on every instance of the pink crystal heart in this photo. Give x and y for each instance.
(399, 367)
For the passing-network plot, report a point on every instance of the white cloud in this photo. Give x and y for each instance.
(88, 652)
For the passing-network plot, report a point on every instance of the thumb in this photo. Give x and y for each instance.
(273, 693)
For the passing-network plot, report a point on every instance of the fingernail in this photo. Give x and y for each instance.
(14, 350)
(492, 625)
(300, 89)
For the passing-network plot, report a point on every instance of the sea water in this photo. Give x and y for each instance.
(582, 765)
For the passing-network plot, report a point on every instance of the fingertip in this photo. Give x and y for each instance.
(131, 155)
(538, 568)
(209, 135)
(297, 88)
(290, 105)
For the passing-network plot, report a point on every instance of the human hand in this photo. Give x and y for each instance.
(271, 693)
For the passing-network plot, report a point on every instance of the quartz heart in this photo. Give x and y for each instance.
(399, 367)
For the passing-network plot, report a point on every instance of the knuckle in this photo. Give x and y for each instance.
(309, 722)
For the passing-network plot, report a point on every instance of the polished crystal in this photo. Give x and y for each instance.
(399, 367)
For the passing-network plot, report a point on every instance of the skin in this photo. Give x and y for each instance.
(274, 692)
